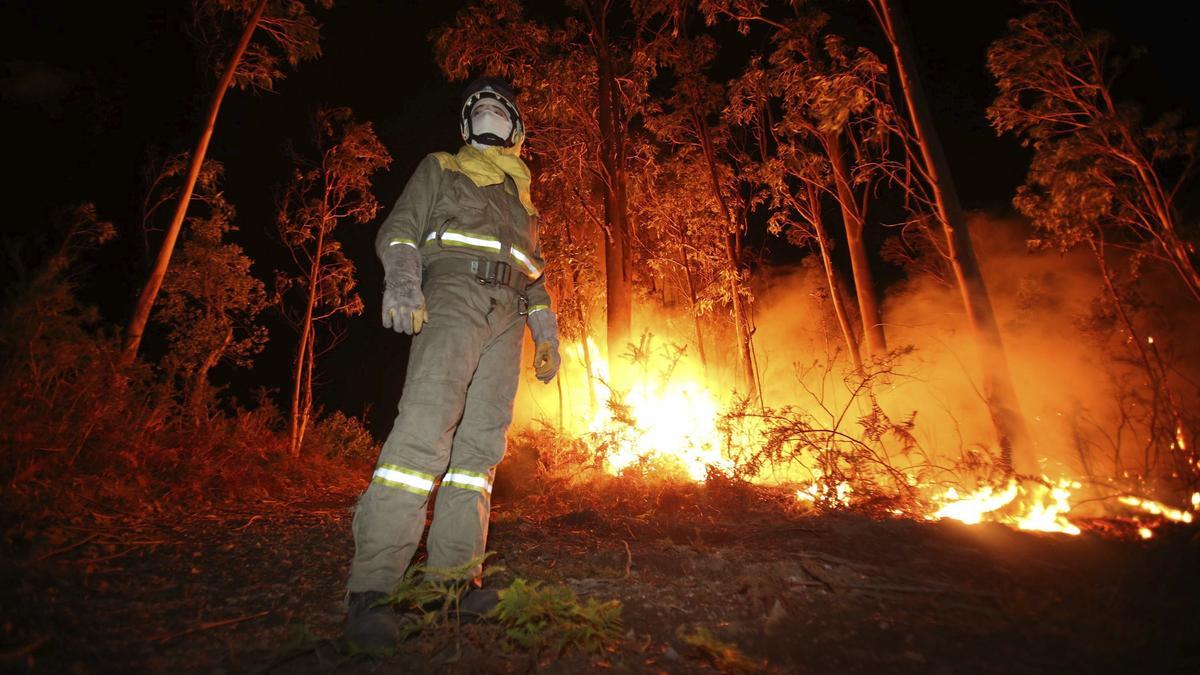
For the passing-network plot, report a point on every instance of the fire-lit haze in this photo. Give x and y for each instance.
(1070, 377)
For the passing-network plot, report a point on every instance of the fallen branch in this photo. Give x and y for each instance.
(209, 626)
(26, 650)
(808, 570)
(248, 523)
(758, 534)
(131, 547)
(51, 554)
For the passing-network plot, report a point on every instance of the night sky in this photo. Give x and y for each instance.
(92, 90)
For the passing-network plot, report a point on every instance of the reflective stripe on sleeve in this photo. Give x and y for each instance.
(460, 239)
(538, 308)
(468, 480)
(405, 479)
(406, 242)
(530, 269)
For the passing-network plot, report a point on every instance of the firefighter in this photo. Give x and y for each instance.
(463, 276)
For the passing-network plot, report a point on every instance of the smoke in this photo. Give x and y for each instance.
(1076, 375)
(1081, 388)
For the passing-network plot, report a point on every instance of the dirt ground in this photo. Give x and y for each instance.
(259, 589)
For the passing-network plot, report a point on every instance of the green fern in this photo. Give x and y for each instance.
(430, 595)
(552, 618)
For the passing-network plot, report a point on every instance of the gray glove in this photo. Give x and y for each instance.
(543, 327)
(403, 302)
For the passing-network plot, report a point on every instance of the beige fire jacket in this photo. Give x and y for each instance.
(442, 213)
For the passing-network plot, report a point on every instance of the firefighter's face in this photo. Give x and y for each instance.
(488, 107)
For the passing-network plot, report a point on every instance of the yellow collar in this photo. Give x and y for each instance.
(490, 166)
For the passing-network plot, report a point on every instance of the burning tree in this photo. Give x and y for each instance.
(835, 97)
(1016, 445)
(831, 125)
(705, 199)
(333, 188)
(292, 35)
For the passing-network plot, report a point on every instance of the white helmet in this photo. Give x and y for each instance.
(491, 129)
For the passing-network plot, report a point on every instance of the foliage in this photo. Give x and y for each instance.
(1099, 170)
(324, 192)
(81, 436)
(430, 596)
(723, 656)
(56, 363)
(336, 436)
(552, 619)
(210, 302)
(1104, 179)
(288, 34)
(880, 461)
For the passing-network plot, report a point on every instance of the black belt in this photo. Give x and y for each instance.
(486, 272)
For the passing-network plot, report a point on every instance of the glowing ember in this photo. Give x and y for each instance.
(1039, 507)
(1195, 501)
(1159, 509)
(1145, 532)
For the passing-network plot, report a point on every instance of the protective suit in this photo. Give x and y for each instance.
(466, 230)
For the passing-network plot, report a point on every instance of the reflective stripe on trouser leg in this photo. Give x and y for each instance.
(391, 514)
(460, 520)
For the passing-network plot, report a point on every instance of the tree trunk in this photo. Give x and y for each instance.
(831, 277)
(141, 312)
(617, 265)
(200, 379)
(1012, 434)
(860, 266)
(298, 417)
(740, 317)
(733, 246)
(584, 323)
(691, 284)
(306, 404)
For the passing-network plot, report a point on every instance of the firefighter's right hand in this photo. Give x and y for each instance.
(403, 302)
(404, 308)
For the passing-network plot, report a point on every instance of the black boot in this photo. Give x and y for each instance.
(476, 603)
(371, 625)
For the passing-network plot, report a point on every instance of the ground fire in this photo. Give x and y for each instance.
(671, 421)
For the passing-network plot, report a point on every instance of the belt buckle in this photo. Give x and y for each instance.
(485, 276)
(507, 271)
(522, 305)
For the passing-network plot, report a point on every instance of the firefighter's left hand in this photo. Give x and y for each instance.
(546, 361)
(543, 326)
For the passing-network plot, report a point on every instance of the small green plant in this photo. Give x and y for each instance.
(431, 595)
(723, 656)
(553, 618)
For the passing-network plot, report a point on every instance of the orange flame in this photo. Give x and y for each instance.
(671, 422)
(1042, 507)
(1159, 509)
(667, 414)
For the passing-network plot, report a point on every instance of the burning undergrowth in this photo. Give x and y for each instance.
(906, 435)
